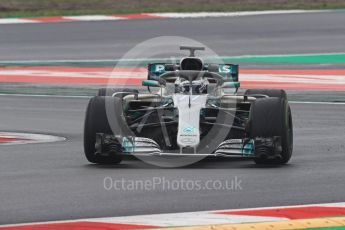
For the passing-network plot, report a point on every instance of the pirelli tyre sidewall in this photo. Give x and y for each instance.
(267, 92)
(111, 91)
(96, 121)
(271, 117)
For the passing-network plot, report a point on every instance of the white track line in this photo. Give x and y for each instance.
(44, 95)
(92, 18)
(29, 138)
(77, 96)
(187, 219)
(317, 102)
(232, 14)
(15, 21)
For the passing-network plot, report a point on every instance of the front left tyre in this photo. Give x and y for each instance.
(280, 93)
(269, 118)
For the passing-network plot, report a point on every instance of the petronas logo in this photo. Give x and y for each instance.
(188, 130)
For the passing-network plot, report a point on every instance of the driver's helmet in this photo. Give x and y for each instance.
(198, 87)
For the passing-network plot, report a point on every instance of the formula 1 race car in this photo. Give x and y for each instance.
(190, 114)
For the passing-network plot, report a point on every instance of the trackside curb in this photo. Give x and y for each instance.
(285, 217)
(90, 18)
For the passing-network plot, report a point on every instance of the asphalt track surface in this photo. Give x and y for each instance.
(249, 35)
(52, 181)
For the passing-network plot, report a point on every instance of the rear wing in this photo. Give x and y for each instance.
(230, 72)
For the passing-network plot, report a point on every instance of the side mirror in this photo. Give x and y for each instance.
(231, 84)
(151, 83)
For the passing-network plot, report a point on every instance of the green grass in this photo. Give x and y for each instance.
(39, 8)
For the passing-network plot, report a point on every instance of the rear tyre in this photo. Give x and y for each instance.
(267, 92)
(111, 91)
(96, 121)
(270, 117)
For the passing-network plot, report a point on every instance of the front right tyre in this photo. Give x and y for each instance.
(110, 91)
(96, 121)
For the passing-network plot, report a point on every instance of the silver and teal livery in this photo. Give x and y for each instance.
(196, 110)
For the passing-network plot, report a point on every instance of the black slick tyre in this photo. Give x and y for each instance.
(96, 121)
(270, 117)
